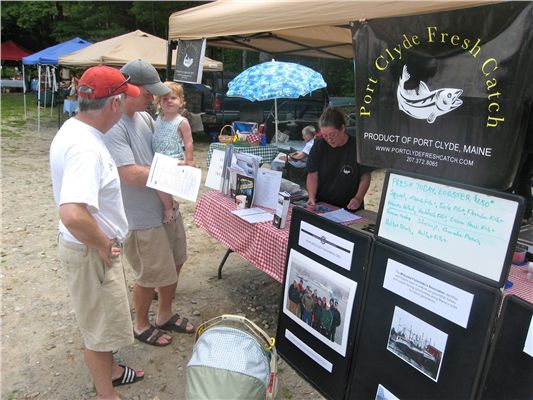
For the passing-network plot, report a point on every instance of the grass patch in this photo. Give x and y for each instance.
(12, 105)
(286, 393)
(12, 113)
(9, 133)
(12, 395)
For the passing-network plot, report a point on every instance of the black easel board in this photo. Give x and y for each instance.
(472, 230)
(410, 350)
(331, 258)
(510, 364)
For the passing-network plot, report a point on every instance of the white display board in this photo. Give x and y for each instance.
(468, 229)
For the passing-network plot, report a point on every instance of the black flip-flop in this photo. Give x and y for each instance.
(145, 337)
(128, 376)
(170, 325)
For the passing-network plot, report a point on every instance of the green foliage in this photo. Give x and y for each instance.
(152, 16)
(28, 23)
(40, 24)
(29, 14)
(92, 21)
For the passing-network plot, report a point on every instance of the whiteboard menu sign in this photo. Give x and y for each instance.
(471, 228)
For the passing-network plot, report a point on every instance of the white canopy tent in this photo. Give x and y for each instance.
(119, 50)
(317, 28)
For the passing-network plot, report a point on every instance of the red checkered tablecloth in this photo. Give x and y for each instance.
(522, 287)
(261, 244)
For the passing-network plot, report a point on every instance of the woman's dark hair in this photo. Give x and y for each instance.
(333, 117)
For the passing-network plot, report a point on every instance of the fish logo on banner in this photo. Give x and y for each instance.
(421, 103)
(446, 94)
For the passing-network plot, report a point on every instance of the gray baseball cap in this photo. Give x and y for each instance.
(144, 74)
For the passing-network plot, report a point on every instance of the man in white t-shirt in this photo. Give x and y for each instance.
(93, 225)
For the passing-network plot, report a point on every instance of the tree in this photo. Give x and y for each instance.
(40, 24)
(28, 23)
(36, 25)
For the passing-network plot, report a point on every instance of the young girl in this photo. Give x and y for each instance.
(172, 134)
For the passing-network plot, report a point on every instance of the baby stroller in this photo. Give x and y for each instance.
(232, 359)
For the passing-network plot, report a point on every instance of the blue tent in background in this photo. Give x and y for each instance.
(49, 57)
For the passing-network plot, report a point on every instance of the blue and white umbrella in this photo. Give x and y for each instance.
(275, 80)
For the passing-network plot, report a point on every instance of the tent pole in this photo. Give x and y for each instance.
(276, 118)
(59, 108)
(39, 101)
(24, 92)
(52, 87)
(47, 84)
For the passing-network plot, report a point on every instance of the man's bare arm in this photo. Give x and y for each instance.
(83, 227)
(134, 174)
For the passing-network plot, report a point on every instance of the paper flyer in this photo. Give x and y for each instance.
(169, 177)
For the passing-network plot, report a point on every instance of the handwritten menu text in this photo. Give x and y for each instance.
(468, 229)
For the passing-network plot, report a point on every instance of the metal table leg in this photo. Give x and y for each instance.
(228, 252)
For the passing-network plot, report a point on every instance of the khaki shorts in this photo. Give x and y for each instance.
(99, 297)
(154, 253)
(177, 240)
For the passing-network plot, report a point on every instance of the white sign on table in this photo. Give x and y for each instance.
(214, 173)
(253, 215)
(341, 216)
(169, 177)
(267, 187)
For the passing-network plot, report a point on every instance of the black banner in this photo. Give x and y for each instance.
(446, 94)
(189, 61)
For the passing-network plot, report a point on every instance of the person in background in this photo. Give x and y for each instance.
(93, 225)
(327, 318)
(298, 159)
(317, 313)
(70, 105)
(294, 298)
(301, 292)
(172, 133)
(307, 306)
(156, 251)
(334, 308)
(73, 87)
(333, 175)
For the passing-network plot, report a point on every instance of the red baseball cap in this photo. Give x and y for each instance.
(103, 81)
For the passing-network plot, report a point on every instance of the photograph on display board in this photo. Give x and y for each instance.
(319, 300)
(384, 394)
(417, 343)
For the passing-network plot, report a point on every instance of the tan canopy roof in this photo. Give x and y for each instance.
(318, 28)
(119, 50)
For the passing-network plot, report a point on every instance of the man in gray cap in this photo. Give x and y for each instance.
(156, 251)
